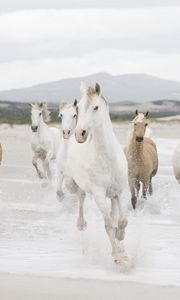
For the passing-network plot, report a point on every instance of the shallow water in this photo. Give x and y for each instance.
(38, 235)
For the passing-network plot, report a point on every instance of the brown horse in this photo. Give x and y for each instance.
(141, 154)
(0, 153)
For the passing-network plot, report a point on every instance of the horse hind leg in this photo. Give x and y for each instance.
(34, 162)
(59, 192)
(138, 185)
(132, 185)
(145, 188)
(150, 187)
(46, 165)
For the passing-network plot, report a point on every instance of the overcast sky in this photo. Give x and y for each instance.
(48, 40)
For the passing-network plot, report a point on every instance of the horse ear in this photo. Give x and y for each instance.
(83, 88)
(75, 102)
(97, 88)
(146, 114)
(136, 112)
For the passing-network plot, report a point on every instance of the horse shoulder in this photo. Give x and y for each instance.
(149, 141)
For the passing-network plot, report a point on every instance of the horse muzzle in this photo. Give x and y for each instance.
(139, 139)
(66, 134)
(34, 128)
(81, 136)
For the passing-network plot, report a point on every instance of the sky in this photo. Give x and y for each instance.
(47, 40)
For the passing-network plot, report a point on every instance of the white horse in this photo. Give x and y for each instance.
(68, 114)
(98, 166)
(176, 163)
(45, 139)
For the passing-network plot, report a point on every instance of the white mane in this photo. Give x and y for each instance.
(139, 118)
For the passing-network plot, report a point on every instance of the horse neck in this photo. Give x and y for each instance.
(42, 127)
(103, 137)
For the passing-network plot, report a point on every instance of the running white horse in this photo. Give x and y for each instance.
(68, 114)
(176, 163)
(45, 140)
(97, 165)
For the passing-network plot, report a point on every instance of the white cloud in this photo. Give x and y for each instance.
(22, 74)
(43, 45)
(92, 24)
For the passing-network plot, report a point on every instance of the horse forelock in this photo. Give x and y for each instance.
(139, 118)
(91, 92)
(68, 106)
(43, 108)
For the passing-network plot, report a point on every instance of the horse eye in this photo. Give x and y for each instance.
(74, 116)
(60, 115)
(96, 108)
(40, 114)
(146, 124)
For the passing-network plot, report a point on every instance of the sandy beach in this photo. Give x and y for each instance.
(15, 287)
(41, 248)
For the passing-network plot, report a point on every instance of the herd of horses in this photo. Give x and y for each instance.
(90, 159)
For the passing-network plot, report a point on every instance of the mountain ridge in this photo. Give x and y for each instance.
(137, 87)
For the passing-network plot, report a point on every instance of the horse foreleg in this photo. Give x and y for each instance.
(34, 162)
(110, 227)
(81, 223)
(122, 220)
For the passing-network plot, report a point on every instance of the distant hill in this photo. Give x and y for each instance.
(129, 87)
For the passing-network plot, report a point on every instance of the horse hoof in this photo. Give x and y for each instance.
(121, 259)
(81, 225)
(41, 176)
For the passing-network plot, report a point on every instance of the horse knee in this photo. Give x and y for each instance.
(120, 230)
(122, 223)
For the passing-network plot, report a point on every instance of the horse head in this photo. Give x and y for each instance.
(39, 113)
(69, 115)
(92, 108)
(140, 124)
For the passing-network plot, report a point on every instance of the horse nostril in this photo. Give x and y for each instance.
(139, 139)
(63, 131)
(34, 128)
(68, 131)
(83, 132)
